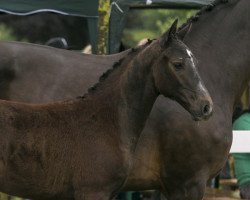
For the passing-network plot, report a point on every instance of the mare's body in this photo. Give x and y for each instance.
(27, 71)
(84, 148)
(184, 154)
(174, 153)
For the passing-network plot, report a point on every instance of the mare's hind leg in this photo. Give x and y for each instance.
(92, 195)
(188, 191)
(245, 191)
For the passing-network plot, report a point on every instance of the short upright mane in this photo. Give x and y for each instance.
(117, 64)
(203, 10)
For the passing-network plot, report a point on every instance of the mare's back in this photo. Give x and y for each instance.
(36, 73)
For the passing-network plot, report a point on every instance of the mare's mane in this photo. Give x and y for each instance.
(105, 75)
(134, 51)
(203, 10)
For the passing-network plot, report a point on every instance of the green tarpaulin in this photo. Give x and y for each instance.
(81, 8)
(165, 3)
(89, 9)
(68, 7)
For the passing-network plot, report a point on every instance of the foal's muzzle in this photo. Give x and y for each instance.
(206, 110)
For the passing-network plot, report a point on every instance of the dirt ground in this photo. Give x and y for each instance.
(215, 194)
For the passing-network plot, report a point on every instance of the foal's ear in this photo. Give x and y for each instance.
(169, 35)
(182, 33)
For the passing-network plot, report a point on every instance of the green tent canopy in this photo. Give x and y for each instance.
(81, 8)
(120, 8)
(89, 9)
(167, 3)
(65, 7)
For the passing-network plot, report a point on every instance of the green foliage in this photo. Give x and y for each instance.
(7, 197)
(6, 33)
(151, 23)
(132, 37)
(182, 15)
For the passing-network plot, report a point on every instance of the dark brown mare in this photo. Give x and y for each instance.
(174, 154)
(184, 154)
(84, 148)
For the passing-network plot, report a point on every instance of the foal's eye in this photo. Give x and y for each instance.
(177, 66)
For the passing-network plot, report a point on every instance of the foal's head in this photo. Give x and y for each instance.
(176, 76)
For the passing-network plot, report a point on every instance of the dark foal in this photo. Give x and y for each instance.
(84, 148)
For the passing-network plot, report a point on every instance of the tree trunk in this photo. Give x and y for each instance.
(103, 26)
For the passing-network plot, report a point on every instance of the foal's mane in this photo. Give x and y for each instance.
(203, 10)
(105, 75)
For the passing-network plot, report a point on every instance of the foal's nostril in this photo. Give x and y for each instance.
(206, 110)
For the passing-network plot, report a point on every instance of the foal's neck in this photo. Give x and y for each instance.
(138, 94)
(129, 93)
